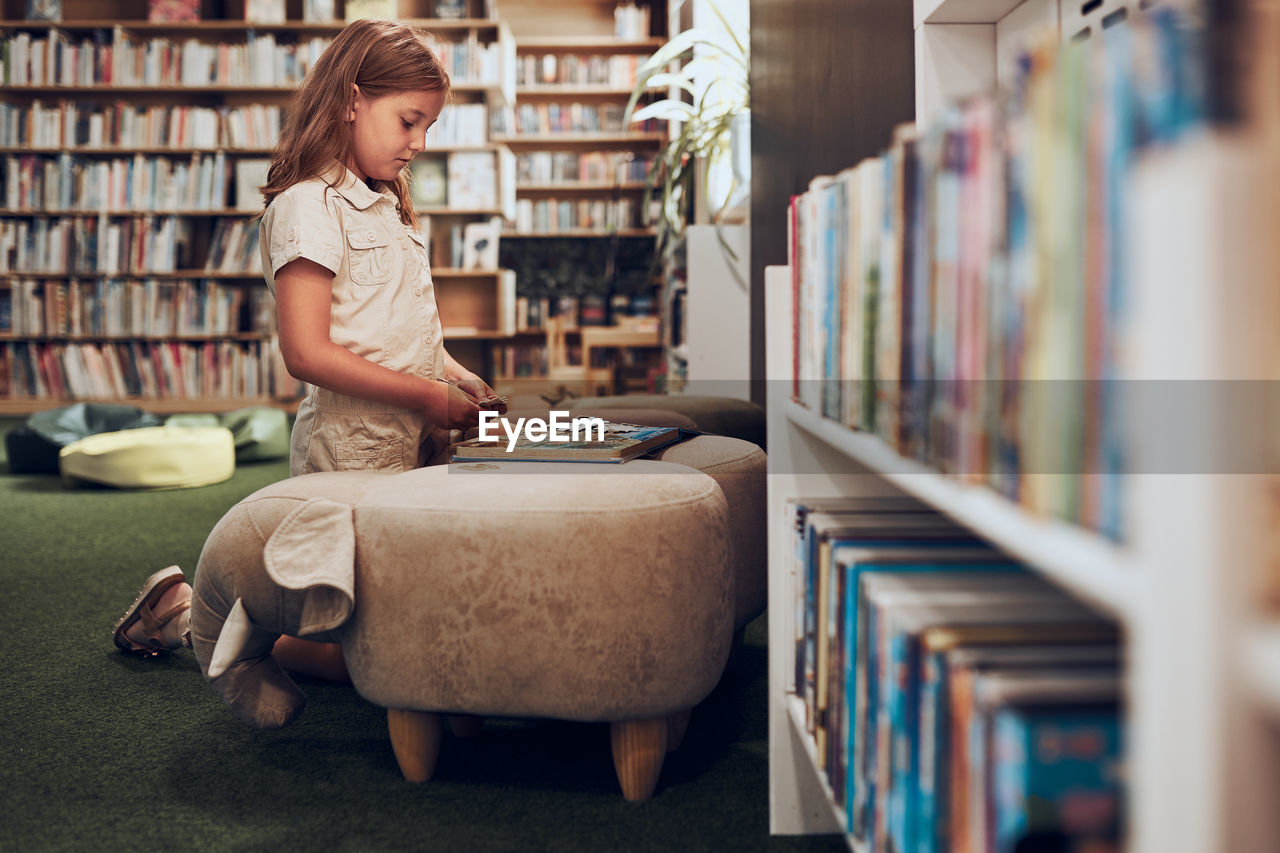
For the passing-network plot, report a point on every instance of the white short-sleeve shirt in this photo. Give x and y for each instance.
(382, 305)
(382, 308)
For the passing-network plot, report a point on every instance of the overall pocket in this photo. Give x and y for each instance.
(369, 255)
(385, 455)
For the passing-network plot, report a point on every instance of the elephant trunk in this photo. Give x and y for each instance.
(248, 592)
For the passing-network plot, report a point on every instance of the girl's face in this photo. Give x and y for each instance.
(388, 131)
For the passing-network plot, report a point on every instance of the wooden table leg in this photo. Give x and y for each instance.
(415, 738)
(639, 747)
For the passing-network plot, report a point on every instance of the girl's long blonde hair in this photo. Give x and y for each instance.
(381, 57)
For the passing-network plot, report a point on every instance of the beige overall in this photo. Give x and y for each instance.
(383, 308)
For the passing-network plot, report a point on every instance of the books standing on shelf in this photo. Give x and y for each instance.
(137, 183)
(127, 60)
(919, 649)
(68, 124)
(621, 443)
(574, 69)
(94, 244)
(471, 62)
(551, 215)
(357, 9)
(233, 248)
(450, 8)
(430, 182)
(594, 167)
(480, 245)
(251, 175)
(318, 11)
(128, 307)
(473, 180)
(173, 11)
(145, 370)
(543, 119)
(941, 304)
(264, 11)
(631, 21)
(44, 10)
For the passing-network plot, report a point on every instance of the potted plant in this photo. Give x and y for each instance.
(709, 106)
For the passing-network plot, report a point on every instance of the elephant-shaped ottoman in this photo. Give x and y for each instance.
(598, 593)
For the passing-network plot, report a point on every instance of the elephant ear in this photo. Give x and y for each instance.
(313, 551)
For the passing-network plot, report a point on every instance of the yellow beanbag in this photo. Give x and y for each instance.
(151, 458)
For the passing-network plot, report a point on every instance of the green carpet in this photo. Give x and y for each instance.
(101, 751)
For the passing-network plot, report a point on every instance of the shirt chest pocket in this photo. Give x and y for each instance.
(369, 255)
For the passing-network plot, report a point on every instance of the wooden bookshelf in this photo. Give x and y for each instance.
(579, 233)
(581, 187)
(230, 27)
(1192, 585)
(158, 406)
(479, 303)
(544, 140)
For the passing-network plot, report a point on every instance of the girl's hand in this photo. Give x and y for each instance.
(461, 411)
(481, 392)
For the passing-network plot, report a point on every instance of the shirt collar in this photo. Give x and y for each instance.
(355, 190)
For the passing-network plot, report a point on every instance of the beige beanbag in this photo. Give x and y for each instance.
(151, 458)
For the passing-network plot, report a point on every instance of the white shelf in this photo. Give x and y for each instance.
(962, 11)
(795, 718)
(1084, 563)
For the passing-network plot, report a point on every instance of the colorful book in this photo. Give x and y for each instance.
(430, 182)
(979, 649)
(897, 609)
(264, 11)
(165, 11)
(357, 9)
(621, 442)
(1053, 749)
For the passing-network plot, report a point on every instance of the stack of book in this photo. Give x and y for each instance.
(955, 701)
(964, 295)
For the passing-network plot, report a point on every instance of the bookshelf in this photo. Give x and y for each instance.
(579, 176)
(220, 106)
(1190, 582)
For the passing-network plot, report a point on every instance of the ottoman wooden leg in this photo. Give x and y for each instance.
(639, 746)
(677, 725)
(415, 738)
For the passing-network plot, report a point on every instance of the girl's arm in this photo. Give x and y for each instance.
(455, 372)
(303, 290)
(469, 382)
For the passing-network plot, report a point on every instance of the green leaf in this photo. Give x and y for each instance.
(665, 109)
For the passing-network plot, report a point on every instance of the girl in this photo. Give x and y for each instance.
(356, 307)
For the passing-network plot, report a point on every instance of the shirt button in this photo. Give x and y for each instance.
(370, 235)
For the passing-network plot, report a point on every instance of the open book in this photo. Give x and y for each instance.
(621, 443)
